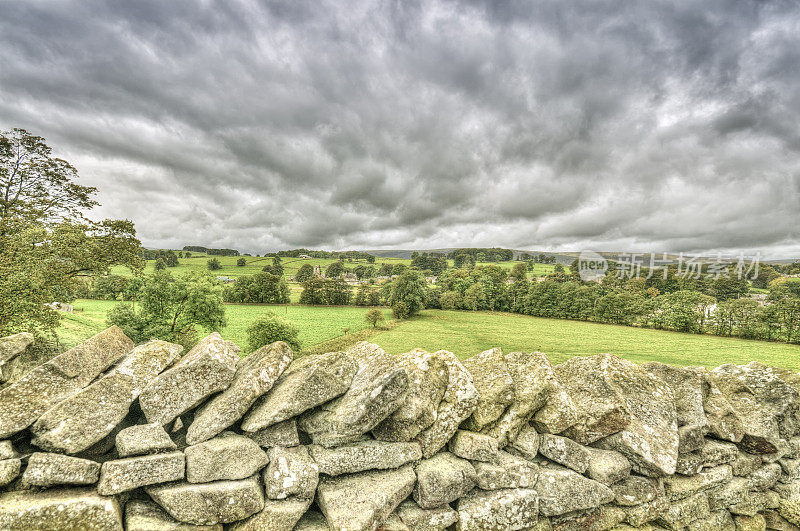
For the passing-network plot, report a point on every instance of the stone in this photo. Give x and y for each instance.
(145, 515)
(558, 412)
(717, 521)
(635, 490)
(689, 464)
(715, 453)
(493, 380)
(565, 452)
(255, 376)
(639, 515)
(723, 422)
(474, 446)
(129, 473)
(379, 388)
(46, 470)
(755, 502)
(312, 521)
(393, 523)
(685, 511)
(509, 509)
(142, 439)
(364, 455)
(791, 469)
(7, 450)
(281, 434)
(687, 390)
(9, 470)
(526, 443)
(416, 517)
(291, 472)
(11, 347)
(210, 503)
(442, 479)
(728, 494)
(59, 509)
(24, 401)
(765, 477)
(603, 517)
(607, 466)
(362, 501)
(789, 511)
(93, 412)
(226, 456)
(458, 403)
(562, 491)
(427, 382)
(690, 438)
(206, 369)
(307, 383)
(750, 523)
(278, 515)
(678, 487)
(509, 472)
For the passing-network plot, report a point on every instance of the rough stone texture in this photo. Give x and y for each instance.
(427, 382)
(563, 491)
(143, 439)
(227, 456)
(416, 517)
(24, 401)
(442, 479)
(208, 368)
(723, 421)
(364, 455)
(715, 453)
(458, 403)
(276, 515)
(565, 452)
(685, 511)
(361, 501)
(526, 443)
(291, 472)
(494, 383)
(145, 515)
(635, 490)
(46, 470)
(312, 521)
(10, 348)
(280, 434)
(603, 517)
(77, 423)
(307, 383)
(679, 487)
(129, 473)
(255, 376)
(377, 390)
(509, 509)
(474, 446)
(558, 412)
(210, 503)
(509, 472)
(607, 466)
(7, 450)
(765, 477)
(687, 390)
(59, 509)
(9, 470)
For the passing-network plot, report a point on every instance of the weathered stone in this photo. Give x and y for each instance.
(9, 470)
(685, 511)
(208, 368)
(638, 515)
(474, 446)
(7, 450)
(494, 383)
(11, 347)
(427, 382)
(728, 494)
(689, 464)
(607, 466)
(209, 503)
(635, 490)
(312, 521)
(687, 390)
(143, 439)
(227, 456)
(132, 472)
(281, 434)
(393, 523)
(715, 453)
(558, 412)
(255, 375)
(679, 487)
(442, 479)
(600, 518)
(755, 502)
(364, 455)
(565, 452)
(291, 472)
(416, 517)
(690, 438)
(46, 470)
(361, 501)
(509, 472)
(716, 521)
(723, 422)
(459, 401)
(563, 491)
(278, 515)
(59, 509)
(750, 523)
(789, 511)
(509, 509)
(24, 401)
(145, 515)
(526, 443)
(86, 417)
(377, 390)
(765, 477)
(307, 383)
(791, 469)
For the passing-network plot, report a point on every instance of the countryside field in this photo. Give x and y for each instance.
(467, 333)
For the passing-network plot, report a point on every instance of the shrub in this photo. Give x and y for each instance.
(374, 316)
(270, 328)
(400, 310)
(241, 262)
(214, 265)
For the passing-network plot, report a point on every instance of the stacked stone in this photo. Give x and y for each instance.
(112, 436)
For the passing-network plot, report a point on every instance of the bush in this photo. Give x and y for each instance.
(270, 328)
(160, 265)
(241, 262)
(374, 316)
(214, 265)
(400, 310)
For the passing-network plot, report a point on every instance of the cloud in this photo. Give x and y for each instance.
(655, 126)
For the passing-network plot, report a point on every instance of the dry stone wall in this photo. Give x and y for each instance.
(114, 436)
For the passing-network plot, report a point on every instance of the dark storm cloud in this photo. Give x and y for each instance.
(564, 125)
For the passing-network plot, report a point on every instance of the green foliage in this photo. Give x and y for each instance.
(161, 265)
(335, 270)
(241, 262)
(258, 288)
(433, 262)
(270, 328)
(305, 272)
(109, 287)
(213, 265)
(408, 289)
(400, 310)
(327, 291)
(374, 316)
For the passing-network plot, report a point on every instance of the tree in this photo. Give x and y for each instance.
(374, 316)
(370, 259)
(335, 270)
(171, 259)
(172, 309)
(305, 272)
(214, 265)
(264, 288)
(400, 310)
(270, 328)
(160, 265)
(241, 262)
(408, 288)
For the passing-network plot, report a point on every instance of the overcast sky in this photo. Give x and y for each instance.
(588, 124)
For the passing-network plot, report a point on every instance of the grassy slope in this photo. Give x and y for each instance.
(467, 333)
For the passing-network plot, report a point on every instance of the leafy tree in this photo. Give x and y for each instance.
(370, 259)
(374, 316)
(335, 270)
(160, 265)
(312, 291)
(214, 265)
(270, 328)
(172, 309)
(305, 272)
(518, 272)
(408, 288)
(361, 296)
(276, 268)
(241, 262)
(109, 287)
(171, 259)
(264, 288)
(400, 310)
